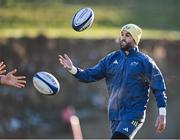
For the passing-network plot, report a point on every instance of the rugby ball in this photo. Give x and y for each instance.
(82, 19)
(46, 83)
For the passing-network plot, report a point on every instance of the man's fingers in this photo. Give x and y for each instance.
(1, 63)
(21, 81)
(2, 66)
(160, 128)
(13, 71)
(21, 85)
(20, 77)
(65, 61)
(61, 62)
(66, 56)
(61, 57)
(3, 71)
(18, 85)
(156, 124)
(160, 123)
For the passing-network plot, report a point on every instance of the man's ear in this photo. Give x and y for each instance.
(134, 43)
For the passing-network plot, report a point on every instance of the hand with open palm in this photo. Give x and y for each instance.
(66, 62)
(10, 79)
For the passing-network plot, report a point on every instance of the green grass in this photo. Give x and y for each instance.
(91, 33)
(158, 18)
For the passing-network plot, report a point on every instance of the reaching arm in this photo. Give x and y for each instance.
(88, 75)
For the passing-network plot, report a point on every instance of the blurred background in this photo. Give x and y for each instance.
(32, 35)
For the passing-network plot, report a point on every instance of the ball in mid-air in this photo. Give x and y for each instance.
(46, 83)
(82, 19)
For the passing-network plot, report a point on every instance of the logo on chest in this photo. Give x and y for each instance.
(134, 64)
(115, 62)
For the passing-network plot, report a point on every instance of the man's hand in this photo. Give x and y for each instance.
(160, 123)
(11, 80)
(2, 66)
(65, 62)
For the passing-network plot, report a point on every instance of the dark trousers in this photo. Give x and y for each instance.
(119, 135)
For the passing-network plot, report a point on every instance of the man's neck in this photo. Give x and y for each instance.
(126, 52)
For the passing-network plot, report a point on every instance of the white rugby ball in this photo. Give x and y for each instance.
(46, 83)
(82, 19)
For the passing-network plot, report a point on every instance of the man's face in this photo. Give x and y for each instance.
(126, 41)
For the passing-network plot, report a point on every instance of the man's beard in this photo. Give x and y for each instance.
(125, 47)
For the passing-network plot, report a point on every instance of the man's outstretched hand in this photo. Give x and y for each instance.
(66, 62)
(11, 80)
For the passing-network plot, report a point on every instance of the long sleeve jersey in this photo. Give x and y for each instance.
(129, 79)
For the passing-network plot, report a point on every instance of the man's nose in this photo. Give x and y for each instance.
(122, 38)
